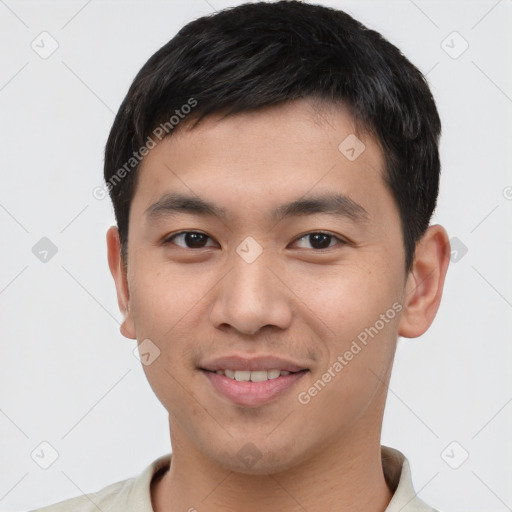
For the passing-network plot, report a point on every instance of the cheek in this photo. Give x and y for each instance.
(351, 300)
(344, 300)
(160, 304)
(351, 379)
(164, 298)
(168, 305)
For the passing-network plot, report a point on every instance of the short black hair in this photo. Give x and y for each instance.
(261, 54)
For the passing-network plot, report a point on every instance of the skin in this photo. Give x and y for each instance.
(296, 300)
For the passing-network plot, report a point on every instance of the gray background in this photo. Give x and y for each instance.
(68, 377)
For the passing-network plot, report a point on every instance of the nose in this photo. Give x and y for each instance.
(252, 295)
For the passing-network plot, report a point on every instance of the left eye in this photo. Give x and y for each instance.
(320, 240)
(196, 240)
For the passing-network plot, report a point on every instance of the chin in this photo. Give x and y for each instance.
(250, 460)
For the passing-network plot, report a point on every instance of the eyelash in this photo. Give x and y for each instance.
(168, 240)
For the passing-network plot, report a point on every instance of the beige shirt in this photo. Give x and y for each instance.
(134, 495)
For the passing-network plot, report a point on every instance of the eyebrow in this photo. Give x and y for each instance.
(335, 204)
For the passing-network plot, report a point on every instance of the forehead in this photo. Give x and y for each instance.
(255, 160)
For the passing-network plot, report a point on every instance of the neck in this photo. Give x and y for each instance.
(345, 476)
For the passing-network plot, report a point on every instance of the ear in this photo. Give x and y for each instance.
(120, 278)
(425, 282)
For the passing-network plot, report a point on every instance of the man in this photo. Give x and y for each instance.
(273, 170)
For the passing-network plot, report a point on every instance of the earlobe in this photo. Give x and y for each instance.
(127, 327)
(121, 281)
(425, 282)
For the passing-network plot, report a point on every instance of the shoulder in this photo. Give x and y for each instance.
(132, 494)
(90, 502)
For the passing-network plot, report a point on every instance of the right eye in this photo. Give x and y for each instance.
(191, 239)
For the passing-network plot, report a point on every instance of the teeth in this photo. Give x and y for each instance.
(259, 376)
(253, 376)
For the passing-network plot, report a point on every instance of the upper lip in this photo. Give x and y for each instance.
(251, 364)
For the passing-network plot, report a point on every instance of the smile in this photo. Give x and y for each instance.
(252, 388)
(253, 376)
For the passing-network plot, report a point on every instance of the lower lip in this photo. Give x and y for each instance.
(252, 393)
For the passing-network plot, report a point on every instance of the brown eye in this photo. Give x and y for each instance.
(191, 239)
(319, 240)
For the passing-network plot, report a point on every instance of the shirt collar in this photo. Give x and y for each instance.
(397, 472)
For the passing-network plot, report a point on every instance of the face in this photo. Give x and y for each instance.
(251, 285)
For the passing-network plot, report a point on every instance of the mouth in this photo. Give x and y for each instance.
(253, 375)
(252, 388)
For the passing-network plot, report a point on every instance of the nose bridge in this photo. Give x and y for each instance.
(251, 296)
(252, 278)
